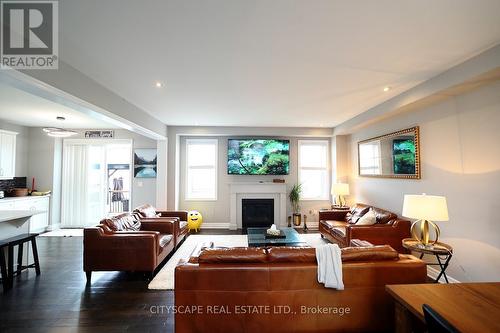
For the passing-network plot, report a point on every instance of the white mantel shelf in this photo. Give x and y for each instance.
(257, 190)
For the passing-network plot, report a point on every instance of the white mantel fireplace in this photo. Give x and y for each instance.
(265, 190)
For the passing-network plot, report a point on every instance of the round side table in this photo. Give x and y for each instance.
(443, 253)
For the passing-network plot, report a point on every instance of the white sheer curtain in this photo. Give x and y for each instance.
(83, 199)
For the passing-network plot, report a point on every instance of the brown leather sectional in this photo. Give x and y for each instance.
(148, 213)
(276, 290)
(127, 243)
(340, 227)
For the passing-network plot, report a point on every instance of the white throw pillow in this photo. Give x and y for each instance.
(368, 219)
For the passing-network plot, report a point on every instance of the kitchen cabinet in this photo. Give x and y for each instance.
(39, 222)
(7, 154)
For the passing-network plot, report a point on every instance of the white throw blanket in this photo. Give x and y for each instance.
(330, 266)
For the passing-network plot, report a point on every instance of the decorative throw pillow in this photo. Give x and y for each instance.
(369, 218)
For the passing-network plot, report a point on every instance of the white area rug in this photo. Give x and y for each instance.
(164, 280)
(64, 233)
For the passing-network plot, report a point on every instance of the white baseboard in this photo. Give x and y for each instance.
(223, 225)
(433, 274)
(53, 227)
(313, 225)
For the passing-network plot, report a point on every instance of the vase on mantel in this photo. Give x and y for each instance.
(297, 219)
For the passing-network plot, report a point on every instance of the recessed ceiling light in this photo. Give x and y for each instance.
(158, 84)
(386, 89)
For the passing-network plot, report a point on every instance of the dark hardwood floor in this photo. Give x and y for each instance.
(59, 301)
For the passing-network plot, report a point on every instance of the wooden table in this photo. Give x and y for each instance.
(443, 253)
(470, 307)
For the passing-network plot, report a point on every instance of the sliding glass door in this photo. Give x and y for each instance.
(96, 180)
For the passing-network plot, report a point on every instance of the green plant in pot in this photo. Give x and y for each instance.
(294, 197)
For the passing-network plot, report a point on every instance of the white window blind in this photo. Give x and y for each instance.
(313, 169)
(201, 165)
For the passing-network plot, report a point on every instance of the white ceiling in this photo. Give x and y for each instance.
(269, 63)
(22, 108)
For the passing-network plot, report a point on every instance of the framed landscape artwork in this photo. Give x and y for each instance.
(403, 152)
(145, 163)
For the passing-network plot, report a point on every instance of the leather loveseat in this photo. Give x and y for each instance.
(276, 290)
(124, 243)
(148, 213)
(340, 227)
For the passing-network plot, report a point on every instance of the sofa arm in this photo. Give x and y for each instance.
(164, 226)
(181, 214)
(333, 215)
(124, 250)
(403, 225)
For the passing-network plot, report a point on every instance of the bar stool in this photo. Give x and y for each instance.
(3, 267)
(9, 273)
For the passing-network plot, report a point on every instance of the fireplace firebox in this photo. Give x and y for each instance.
(257, 213)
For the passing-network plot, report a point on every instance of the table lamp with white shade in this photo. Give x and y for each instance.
(426, 209)
(339, 190)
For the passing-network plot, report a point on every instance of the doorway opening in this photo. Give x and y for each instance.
(97, 178)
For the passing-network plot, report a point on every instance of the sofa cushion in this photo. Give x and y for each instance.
(356, 212)
(164, 239)
(291, 254)
(146, 210)
(122, 222)
(183, 225)
(371, 253)
(370, 218)
(284, 254)
(333, 224)
(233, 255)
(340, 231)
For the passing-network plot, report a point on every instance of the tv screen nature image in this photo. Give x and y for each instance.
(403, 151)
(258, 157)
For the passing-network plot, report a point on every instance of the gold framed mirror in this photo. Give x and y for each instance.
(393, 155)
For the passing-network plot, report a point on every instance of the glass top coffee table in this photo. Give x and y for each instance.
(257, 237)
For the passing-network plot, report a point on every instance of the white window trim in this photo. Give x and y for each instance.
(186, 190)
(326, 143)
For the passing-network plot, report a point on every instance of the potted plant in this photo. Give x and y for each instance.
(294, 197)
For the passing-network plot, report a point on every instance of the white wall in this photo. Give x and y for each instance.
(460, 155)
(45, 164)
(217, 212)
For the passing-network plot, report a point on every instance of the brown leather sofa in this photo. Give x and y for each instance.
(124, 243)
(340, 227)
(148, 213)
(276, 290)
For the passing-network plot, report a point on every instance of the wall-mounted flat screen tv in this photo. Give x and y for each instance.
(258, 157)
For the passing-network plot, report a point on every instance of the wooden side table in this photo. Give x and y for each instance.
(443, 253)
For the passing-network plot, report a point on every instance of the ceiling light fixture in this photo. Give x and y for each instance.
(58, 132)
(158, 84)
(386, 89)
